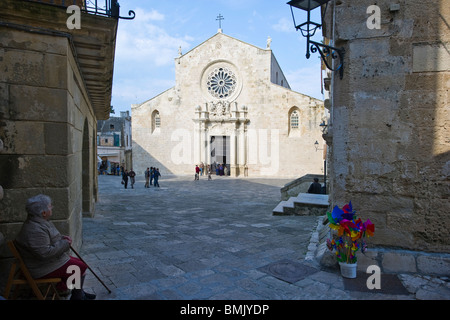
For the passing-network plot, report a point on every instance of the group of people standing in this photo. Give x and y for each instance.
(151, 177)
(219, 169)
(199, 171)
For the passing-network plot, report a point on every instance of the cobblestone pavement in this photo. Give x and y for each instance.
(209, 240)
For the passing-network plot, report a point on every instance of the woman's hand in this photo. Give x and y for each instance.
(68, 239)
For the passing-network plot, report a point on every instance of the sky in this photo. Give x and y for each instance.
(147, 46)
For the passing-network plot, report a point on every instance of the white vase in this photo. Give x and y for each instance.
(348, 270)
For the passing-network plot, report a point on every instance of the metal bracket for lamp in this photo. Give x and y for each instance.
(308, 30)
(131, 14)
(326, 52)
(115, 11)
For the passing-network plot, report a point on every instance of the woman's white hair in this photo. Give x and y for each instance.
(38, 204)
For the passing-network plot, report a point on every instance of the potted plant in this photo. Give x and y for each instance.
(348, 237)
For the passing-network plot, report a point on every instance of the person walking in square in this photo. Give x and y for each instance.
(197, 172)
(152, 175)
(209, 173)
(157, 175)
(125, 178)
(132, 175)
(147, 178)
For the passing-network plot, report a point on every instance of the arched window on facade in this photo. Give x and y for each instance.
(294, 122)
(156, 120)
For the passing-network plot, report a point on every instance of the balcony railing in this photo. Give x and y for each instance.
(108, 8)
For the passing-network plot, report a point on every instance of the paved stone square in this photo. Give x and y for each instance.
(201, 240)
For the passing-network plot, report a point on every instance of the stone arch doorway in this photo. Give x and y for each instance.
(220, 147)
(221, 136)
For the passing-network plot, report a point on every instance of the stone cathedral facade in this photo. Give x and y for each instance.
(231, 105)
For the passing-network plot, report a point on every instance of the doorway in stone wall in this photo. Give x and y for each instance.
(220, 152)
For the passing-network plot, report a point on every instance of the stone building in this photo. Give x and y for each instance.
(114, 140)
(55, 83)
(231, 105)
(388, 133)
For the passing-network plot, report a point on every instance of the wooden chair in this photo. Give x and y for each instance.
(21, 276)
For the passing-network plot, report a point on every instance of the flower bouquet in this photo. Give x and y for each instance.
(350, 235)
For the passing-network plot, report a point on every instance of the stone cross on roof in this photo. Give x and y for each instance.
(220, 18)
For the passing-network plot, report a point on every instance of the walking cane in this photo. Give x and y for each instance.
(109, 291)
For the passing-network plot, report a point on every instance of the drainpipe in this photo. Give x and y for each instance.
(2, 238)
(1, 188)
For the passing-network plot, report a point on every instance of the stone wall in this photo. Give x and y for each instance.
(389, 260)
(390, 120)
(64, 3)
(48, 128)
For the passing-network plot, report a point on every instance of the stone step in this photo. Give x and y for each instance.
(305, 204)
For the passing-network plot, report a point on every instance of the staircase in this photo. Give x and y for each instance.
(305, 204)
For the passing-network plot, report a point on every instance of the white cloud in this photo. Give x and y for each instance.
(145, 53)
(153, 15)
(144, 40)
(306, 80)
(138, 90)
(284, 25)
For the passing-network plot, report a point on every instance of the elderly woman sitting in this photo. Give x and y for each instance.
(45, 251)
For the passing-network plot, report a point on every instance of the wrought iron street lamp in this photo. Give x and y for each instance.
(324, 127)
(308, 30)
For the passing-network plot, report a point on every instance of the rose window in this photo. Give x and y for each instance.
(222, 83)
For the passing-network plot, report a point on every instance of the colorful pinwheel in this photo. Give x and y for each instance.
(350, 234)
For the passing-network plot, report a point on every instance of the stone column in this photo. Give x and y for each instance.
(197, 136)
(242, 140)
(204, 142)
(242, 161)
(208, 149)
(234, 171)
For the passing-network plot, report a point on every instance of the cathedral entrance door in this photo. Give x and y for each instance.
(220, 152)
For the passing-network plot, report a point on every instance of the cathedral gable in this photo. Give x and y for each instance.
(230, 105)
